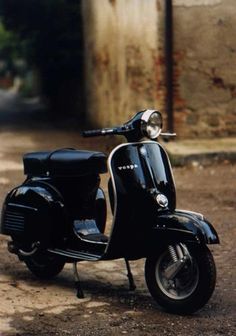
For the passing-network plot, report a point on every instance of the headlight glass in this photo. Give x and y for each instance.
(152, 124)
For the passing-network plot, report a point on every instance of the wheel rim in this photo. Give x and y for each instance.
(184, 283)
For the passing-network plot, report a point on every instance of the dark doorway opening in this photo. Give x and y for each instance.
(50, 34)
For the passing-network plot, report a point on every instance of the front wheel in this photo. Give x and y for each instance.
(189, 289)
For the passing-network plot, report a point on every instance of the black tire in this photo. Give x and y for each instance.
(202, 279)
(44, 265)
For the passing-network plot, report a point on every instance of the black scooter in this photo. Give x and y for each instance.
(58, 215)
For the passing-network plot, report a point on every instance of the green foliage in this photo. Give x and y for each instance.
(50, 28)
(11, 51)
(8, 43)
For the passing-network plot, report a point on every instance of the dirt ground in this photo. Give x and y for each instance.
(32, 307)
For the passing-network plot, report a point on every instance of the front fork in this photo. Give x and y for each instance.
(180, 256)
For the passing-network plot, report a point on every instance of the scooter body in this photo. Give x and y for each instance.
(60, 211)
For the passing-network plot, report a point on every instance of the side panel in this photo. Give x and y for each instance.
(33, 212)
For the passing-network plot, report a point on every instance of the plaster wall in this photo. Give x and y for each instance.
(205, 67)
(124, 71)
(125, 66)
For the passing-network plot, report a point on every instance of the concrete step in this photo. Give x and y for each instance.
(201, 151)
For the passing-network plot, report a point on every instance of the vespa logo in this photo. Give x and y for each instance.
(128, 167)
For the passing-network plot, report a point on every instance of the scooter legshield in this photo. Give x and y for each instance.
(184, 226)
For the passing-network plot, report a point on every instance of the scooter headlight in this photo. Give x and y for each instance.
(151, 123)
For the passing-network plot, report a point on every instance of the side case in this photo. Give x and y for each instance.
(33, 212)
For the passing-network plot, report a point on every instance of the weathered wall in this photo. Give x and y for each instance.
(123, 63)
(205, 71)
(124, 43)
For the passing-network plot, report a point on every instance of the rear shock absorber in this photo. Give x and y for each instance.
(173, 253)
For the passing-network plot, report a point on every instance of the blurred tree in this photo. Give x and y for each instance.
(52, 33)
(11, 50)
(8, 43)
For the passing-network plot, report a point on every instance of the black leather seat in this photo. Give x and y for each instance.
(64, 162)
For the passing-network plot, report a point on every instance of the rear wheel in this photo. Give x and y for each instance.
(44, 265)
(190, 288)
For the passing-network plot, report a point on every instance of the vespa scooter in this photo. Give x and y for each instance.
(58, 215)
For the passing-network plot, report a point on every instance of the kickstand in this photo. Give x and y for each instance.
(80, 293)
(132, 285)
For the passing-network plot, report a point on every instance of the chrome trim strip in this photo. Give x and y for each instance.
(191, 213)
(22, 206)
(146, 114)
(28, 254)
(75, 254)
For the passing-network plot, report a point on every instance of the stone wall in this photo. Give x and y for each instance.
(205, 67)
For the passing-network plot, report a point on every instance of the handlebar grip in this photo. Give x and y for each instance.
(92, 133)
(103, 131)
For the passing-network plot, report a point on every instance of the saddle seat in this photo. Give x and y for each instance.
(64, 162)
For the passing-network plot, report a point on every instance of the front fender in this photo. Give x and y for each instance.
(182, 225)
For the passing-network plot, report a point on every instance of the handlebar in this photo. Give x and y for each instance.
(92, 133)
(167, 134)
(118, 130)
(102, 131)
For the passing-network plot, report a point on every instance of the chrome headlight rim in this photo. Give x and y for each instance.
(145, 124)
